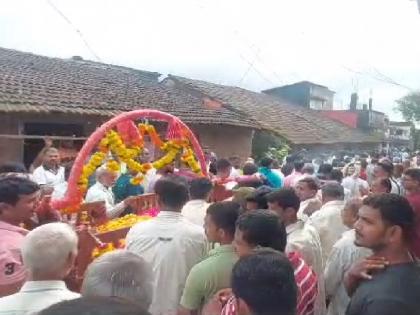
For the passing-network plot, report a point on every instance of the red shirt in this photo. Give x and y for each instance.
(414, 200)
(306, 281)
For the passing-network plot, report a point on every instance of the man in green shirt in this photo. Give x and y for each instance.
(212, 274)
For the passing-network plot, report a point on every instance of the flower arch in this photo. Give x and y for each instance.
(124, 140)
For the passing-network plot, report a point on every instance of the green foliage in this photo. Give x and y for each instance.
(409, 106)
(266, 144)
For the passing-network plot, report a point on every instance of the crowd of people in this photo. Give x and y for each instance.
(308, 237)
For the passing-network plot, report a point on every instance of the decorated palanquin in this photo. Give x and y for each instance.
(117, 143)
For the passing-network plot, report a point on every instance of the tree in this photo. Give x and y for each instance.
(265, 144)
(409, 106)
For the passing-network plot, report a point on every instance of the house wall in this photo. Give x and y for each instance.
(225, 141)
(314, 150)
(13, 124)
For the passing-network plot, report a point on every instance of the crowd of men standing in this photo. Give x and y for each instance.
(303, 239)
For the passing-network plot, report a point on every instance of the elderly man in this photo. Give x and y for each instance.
(18, 200)
(120, 274)
(102, 191)
(327, 221)
(50, 173)
(48, 253)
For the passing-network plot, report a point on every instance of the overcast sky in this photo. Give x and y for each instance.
(347, 45)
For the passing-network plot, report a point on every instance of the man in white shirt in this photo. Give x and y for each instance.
(327, 221)
(48, 253)
(102, 191)
(307, 190)
(195, 209)
(301, 237)
(343, 254)
(50, 173)
(170, 243)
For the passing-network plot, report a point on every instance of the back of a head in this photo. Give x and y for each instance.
(266, 162)
(172, 192)
(263, 228)
(121, 274)
(11, 188)
(265, 282)
(200, 188)
(224, 214)
(336, 175)
(285, 198)
(312, 182)
(250, 169)
(95, 306)
(333, 191)
(259, 196)
(299, 165)
(13, 167)
(325, 168)
(308, 168)
(394, 210)
(223, 164)
(46, 249)
(353, 205)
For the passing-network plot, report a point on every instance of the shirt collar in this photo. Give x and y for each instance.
(12, 228)
(32, 286)
(298, 225)
(101, 186)
(334, 203)
(228, 248)
(170, 215)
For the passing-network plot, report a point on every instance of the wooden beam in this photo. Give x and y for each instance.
(27, 137)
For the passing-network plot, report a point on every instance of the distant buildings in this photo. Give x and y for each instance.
(401, 135)
(305, 94)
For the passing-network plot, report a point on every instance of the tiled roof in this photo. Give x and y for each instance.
(37, 84)
(298, 125)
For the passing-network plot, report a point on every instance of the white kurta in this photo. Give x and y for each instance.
(344, 253)
(99, 192)
(195, 211)
(304, 239)
(172, 246)
(328, 223)
(35, 296)
(43, 176)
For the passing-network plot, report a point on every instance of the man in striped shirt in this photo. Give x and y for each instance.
(263, 229)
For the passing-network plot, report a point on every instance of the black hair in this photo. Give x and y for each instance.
(224, 215)
(95, 306)
(287, 169)
(336, 175)
(333, 190)
(259, 196)
(308, 168)
(285, 198)
(388, 167)
(222, 164)
(395, 210)
(263, 228)
(250, 168)
(11, 188)
(200, 188)
(311, 182)
(266, 162)
(265, 282)
(363, 163)
(13, 167)
(67, 170)
(172, 191)
(325, 168)
(299, 165)
(414, 173)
